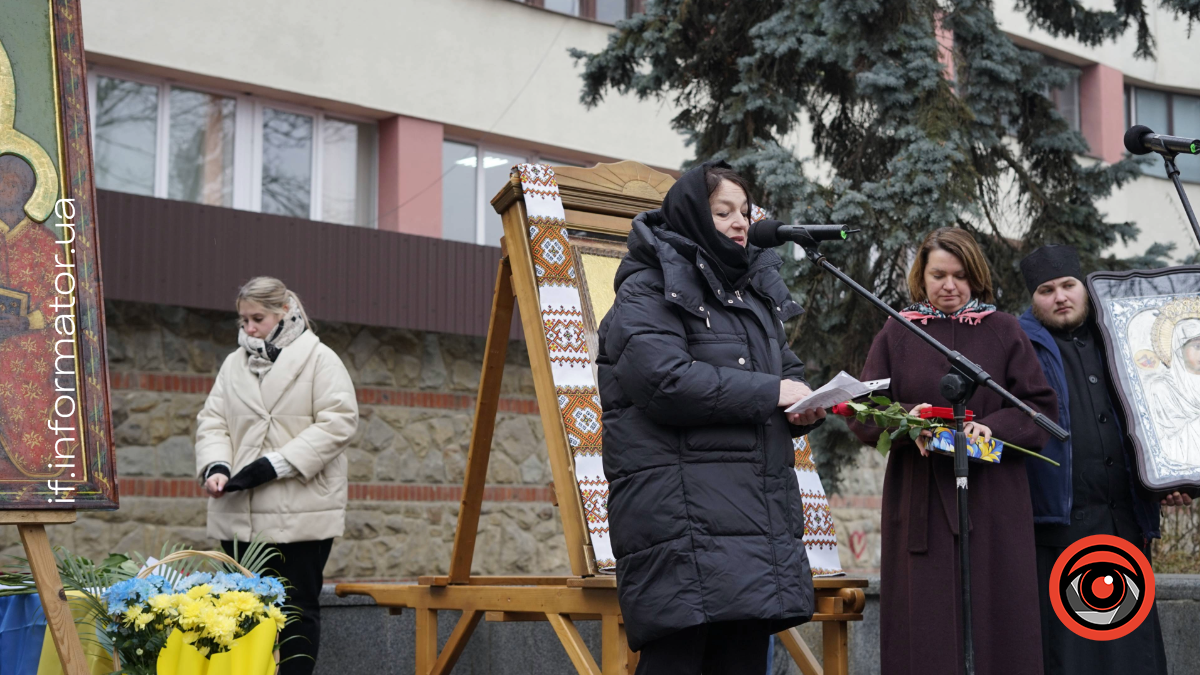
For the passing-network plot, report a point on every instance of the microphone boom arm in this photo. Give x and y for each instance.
(959, 363)
(1173, 174)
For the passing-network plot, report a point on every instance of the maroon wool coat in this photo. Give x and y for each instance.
(920, 616)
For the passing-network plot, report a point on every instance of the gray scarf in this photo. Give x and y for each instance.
(264, 352)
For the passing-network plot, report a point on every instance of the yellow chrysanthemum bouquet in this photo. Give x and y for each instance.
(211, 610)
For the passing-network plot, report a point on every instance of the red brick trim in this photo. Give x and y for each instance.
(410, 492)
(371, 492)
(164, 382)
(429, 399)
(378, 492)
(159, 487)
(202, 384)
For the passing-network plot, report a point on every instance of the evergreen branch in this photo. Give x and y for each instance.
(1026, 180)
(900, 150)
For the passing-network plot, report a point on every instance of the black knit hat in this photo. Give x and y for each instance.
(1050, 262)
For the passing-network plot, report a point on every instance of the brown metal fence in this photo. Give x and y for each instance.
(178, 253)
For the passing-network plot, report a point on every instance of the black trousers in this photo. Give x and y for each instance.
(724, 648)
(301, 566)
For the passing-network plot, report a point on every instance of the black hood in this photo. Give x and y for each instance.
(644, 248)
(653, 247)
(686, 212)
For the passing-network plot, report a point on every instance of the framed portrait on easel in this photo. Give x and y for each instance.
(1150, 320)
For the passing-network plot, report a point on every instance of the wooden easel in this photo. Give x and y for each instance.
(600, 200)
(32, 526)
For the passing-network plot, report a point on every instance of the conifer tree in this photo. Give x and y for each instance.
(909, 136)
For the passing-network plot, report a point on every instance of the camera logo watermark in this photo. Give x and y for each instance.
(1102, 587)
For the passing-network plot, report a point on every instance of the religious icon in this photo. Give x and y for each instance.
(55, 449)
(1175, 387)
(1151, 326)
(26, 390)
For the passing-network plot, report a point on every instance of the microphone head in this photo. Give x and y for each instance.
(1133, 139)
(765, 233)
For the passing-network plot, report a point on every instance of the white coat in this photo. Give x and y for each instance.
(305, 409)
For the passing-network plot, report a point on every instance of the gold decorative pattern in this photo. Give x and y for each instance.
(1164, 325)
(12, 142)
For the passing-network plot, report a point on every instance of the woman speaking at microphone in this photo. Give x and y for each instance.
(920, 609)
(695, 373)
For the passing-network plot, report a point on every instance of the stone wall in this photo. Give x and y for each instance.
(416, 393)
(162, 361)
(856, 512)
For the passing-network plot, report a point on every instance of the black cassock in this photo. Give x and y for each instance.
(1102, 503)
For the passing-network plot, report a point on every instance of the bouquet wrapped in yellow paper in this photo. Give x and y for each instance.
(206, 622)
(251, 654)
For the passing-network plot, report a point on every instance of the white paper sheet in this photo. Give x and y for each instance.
(843, 387)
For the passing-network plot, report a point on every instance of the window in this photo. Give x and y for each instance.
(1167, 113)
(126, 134)
(159, 139)
(604, 11)
(496, 168)
(458, 191)
(611, 11)
(201, 150)
(1066, 99)
(566, 162)
(287, 163)
(471, 176)
(347, 172)
(565, 6)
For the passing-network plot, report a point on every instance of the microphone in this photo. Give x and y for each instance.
(769, 233)
(1140, 140)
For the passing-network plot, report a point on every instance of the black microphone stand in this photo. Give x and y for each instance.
(958, 386)
(1173, 174)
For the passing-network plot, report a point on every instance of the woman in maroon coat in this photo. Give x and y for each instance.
(920, 607)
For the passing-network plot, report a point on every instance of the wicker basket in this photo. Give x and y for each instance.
(182, 555)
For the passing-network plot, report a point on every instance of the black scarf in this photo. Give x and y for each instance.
(687, 212)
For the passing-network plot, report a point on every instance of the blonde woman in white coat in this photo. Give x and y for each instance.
(269, 449)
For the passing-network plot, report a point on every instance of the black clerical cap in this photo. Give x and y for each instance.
(1050, 262)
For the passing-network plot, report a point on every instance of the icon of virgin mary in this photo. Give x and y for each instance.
(1175, 396)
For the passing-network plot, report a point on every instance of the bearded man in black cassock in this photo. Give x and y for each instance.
(1095, 490)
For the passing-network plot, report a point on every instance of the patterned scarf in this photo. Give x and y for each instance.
(264, 352)
(971, 313)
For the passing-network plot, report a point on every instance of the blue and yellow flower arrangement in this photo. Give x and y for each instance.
(211, 611)
(190, 613)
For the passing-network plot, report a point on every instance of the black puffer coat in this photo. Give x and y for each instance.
(705, 512)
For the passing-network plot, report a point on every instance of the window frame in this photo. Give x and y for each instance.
(587, 9)
(314, 160)
(483, 201)
(247, 154)
(1076, 89)
(1131, 119)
